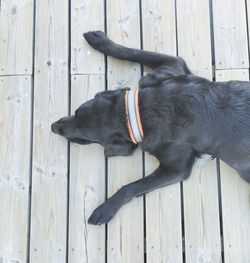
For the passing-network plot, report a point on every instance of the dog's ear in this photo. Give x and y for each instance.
(111, 94)
(118, 149)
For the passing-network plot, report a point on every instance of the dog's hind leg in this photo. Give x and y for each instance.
(102, 43)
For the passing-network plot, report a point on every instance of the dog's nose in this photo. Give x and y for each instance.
(55, 127)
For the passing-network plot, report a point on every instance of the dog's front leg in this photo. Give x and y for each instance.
(100, 41)
(159, 178)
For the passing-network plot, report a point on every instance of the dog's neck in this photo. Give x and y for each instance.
(133, 118)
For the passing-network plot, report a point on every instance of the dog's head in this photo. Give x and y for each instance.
(100, 120)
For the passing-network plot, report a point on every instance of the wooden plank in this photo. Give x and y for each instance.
(15, 117)
(49, 182)
(86, 15)
(200, 191)
(87, 164)
(163, 206)
(232, 74)
(16, 24)
(235, 194)
(194, 40)
(125, 231)
(158, 23)
(87, 183)
(163, 221)
(230, 34)
(202, 230)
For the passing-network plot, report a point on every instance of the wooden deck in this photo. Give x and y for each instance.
(49, 188)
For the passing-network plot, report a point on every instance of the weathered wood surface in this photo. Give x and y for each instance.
(202, 229)
(232, 74)
(125, 231)
(235, 193)
(15, 117)
(194, 40)
(163, 206)
(85, 16)
(87, 163)
(230, 34)
(56, 232)
(200, 191)
(16, 37)
(49, 177)
(87, 183)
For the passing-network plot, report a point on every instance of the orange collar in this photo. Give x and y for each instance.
(133, 116)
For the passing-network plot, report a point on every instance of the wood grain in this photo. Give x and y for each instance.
(49, 181)
(201, 214)
(87, 183)
(86, 16)
(194, 39)
(125, 231)
(230, 34)
(200, 191)
(16, 37)
(163, 206)
(15, 119)
(87, 163)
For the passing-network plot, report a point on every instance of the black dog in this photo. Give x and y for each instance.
(182, 116)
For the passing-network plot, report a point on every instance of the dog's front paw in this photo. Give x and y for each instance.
(102, 214)
(96, 39)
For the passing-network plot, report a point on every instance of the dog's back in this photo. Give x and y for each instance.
(219, 117)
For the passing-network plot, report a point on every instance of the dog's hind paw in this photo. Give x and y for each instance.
(101, 215)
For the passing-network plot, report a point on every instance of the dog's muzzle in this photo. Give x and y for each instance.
(55, 127)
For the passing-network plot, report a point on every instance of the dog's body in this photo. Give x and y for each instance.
(183, 116)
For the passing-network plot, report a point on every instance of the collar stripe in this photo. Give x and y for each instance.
(133, 116)
(138, 117)
(128, 121)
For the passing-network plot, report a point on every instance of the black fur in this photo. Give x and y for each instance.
(183, 117)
